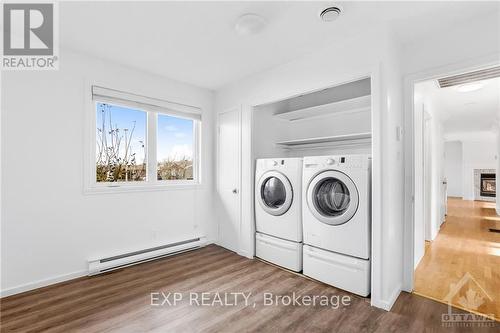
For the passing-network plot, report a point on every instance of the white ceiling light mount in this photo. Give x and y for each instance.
(330, 14)
(468, 87)
(250, 24)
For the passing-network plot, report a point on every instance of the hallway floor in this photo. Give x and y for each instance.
(462, 264)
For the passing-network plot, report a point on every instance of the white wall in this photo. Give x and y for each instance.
(453, 168)
(477, 154)
(446, 47)
(270, 129)
(333, 65)
(49, 227)
(392, 172)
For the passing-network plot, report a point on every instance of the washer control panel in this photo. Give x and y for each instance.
(279, 163)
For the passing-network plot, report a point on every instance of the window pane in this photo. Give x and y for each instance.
(120, 144)
(175, 148)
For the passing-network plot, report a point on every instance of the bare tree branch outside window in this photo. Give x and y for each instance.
(116, 158)
(121, 149)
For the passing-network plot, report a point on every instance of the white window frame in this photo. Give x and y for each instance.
(152, 107)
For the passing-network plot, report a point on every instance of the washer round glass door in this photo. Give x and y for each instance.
(275, 193)
(332, 197)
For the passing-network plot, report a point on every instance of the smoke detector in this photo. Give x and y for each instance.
(250, 24)
(330, 14)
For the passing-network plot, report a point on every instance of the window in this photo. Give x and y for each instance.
(141, 141)
(120, 144)
(175, 148)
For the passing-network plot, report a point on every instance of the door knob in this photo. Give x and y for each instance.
(235, 191)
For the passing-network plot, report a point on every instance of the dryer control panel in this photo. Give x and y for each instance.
(345, 161)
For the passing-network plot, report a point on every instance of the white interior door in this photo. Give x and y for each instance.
(419, 216)
(229, 178)
(427, 188)
(444, 200)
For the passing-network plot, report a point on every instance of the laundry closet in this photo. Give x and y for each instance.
(312, 184)
(335, 120)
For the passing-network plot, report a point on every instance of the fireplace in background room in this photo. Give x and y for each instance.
(485, 184)
(488, 185)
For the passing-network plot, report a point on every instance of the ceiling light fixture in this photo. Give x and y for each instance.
(250, 24)
(330, 14)
(468, 87)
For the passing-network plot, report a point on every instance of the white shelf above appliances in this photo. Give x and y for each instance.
(327, 119)
(354, 139)
(357, 104)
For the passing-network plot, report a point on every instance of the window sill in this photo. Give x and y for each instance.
(130, 188)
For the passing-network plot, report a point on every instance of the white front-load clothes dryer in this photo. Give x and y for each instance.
(337, 220)
(278, 216)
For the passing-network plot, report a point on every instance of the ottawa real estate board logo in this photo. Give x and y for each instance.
(30, 36)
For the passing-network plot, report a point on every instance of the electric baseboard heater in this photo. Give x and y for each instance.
(102, 265)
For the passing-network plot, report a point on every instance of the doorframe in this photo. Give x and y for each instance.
(409, 148)
(217, 168)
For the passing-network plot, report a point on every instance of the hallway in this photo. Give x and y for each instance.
(463, 263)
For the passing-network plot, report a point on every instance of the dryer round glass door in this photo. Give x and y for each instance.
(275, 193)
(332, 197)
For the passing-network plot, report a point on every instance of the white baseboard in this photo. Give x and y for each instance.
(53, 280)
(418, 260)
(392, 299)
(387, 304)
(245, 254)
(41, 283)
(239, 252)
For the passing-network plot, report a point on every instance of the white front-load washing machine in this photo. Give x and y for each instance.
(278, 216)
(337, 220)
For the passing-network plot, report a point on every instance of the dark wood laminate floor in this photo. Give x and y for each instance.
(121, 302)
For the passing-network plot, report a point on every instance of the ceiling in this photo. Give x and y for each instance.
(195, 42)
(462, 112)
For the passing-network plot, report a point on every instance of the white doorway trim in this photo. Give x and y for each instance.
(409, 149)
